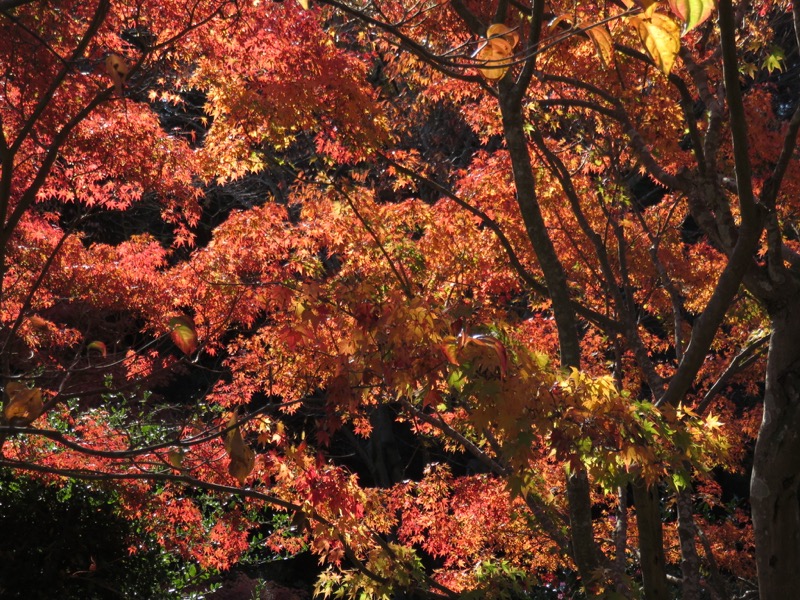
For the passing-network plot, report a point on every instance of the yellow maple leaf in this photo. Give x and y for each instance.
(661, 37)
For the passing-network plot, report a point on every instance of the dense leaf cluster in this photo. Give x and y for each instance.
(464, 298)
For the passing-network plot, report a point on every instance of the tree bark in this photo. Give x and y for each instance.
(776, 463)
(621, 544)
(651, 541)
(584, 548)
(527, 199)
(690, 561)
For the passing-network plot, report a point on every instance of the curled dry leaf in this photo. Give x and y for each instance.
(496, 51)
(99, 347)
(23, 404)
(496, 63)
(38, 323)
(117, 68)
(556, 21)
(243, 459)
(503, 31)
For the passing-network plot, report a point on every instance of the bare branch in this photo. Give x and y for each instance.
(741, 256)
(743, 359)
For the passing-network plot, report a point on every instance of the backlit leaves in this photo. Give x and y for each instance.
(307, 304)
(660, 35)
(712, 422)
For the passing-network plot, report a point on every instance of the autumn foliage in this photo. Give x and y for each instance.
(477, 294)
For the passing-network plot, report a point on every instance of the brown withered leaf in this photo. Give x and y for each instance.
(243, 459)
(23, 405)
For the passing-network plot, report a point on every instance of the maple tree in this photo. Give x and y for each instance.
(539, 247)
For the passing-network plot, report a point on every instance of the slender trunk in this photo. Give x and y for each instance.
(690, 561)
(382, 448)
(776, 463)
(716, 586)
(621, 544)
(552, 269)
(584, 548)
(651, 541)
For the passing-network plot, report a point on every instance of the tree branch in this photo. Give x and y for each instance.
(473, 23)
(599, 319)
(744, 358)
(741, 257)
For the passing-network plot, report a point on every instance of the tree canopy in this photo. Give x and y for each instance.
(488, 298)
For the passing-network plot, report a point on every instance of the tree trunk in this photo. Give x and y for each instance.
(385, 462)
(621, 544)
(690, 561)
(776, 464)
(651, 541)
(584, 548)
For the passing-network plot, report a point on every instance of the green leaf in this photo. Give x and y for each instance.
(692, 12)
(775, 59)
(457, 379)
(680, 480)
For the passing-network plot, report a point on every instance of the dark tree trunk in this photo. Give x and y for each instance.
(584, 548)
(621, 544)
(385, 464)
(651, 542)
(690, 561)
(776, 464)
